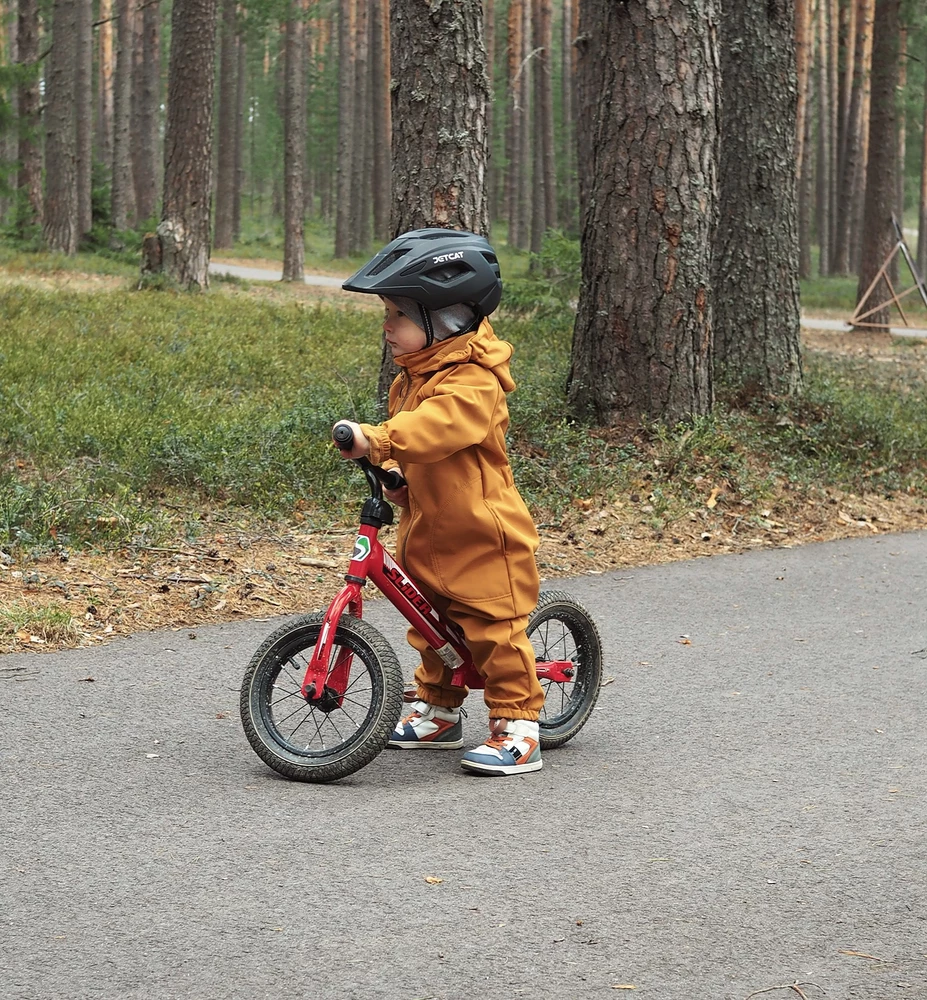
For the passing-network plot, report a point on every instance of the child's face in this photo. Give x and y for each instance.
(402, 335)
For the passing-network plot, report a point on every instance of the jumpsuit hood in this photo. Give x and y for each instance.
(481, 347)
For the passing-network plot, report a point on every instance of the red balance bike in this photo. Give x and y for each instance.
(324, 692)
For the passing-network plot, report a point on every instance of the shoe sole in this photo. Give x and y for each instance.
(426, 745)
(502, 769)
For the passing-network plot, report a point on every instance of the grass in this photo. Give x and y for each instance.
(52, 623)
(126, 417)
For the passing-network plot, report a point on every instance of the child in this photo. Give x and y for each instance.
(465, 534)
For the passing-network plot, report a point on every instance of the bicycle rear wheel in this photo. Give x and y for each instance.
(331, 737)
(560, 628)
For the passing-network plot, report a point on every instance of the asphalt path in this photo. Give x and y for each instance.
(745, 809)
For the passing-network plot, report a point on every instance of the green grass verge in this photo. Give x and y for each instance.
(127, 416)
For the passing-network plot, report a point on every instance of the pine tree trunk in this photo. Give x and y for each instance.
(895, 267)
(363, 128)
(83, 101)
(845, 137)
(440, 95)
(105, 85)
(489, 38)
(649, 92)
(806, 194)
(922, 206)
(859, 189)
(147, 90)
(184, 229)
(439, 103)
(225, 133)
(567, 185)
(545, 185)
(382, 128)
(240, 97)
(513, 125)
(823, 165)
(61, 224)
(345, 172)
(851, 164)
(294, 145)
(878, 237)
(30, 148)
(755, 287)
(805, 35)
(122, 190)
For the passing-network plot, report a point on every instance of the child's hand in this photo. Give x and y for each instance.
(361, 445)
(399, 497)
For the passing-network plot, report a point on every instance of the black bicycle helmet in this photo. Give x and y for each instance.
(436, 268)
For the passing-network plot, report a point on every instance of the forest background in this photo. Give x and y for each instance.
(165, 458)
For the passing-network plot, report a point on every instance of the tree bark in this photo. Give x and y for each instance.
(755, 288)
(567, 186)
(294, 145)
(649, 91)
(382, 127)
(225, 132)
(147, 91)
(346, 51)
(440, 96)
(362, 155)
(515, 138)
(105, 85)
(122, 190)
(184, 228)
(850, 161)
(922, 206)
(30, 149)
(825, 142)
(83, 108)
(61, 224)
(544, 215)
(439, 103)
(240, 98)
(878, 236)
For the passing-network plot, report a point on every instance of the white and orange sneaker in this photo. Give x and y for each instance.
(429, 727)
(512, 748)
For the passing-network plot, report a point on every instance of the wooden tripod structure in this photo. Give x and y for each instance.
(858, 318)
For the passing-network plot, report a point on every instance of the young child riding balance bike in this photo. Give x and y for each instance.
(465, 534)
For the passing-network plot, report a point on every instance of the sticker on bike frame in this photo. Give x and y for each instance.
(361, 548)
(452, 659)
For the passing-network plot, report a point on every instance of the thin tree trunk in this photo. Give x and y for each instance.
(804, 48)
(845, 132)
(922, 206)
(859, 191)
(806, 194)
(225, 133)
(382, 128)
(105, 85)
(545, 200)
(61, 224)
(822, 209)
(489, 37)
(567, 186)
(345, 175)
(755, 286)
(643, 335)
(184, 231)
(805, 36)
(851, 162)
(513, 126)
(241, 95)
(83, 100)
(294, 148)
(895, 269)
(833, 64)
(122, 191)
(881, 188)
(359, 232)
(147, 91)
(30, 147)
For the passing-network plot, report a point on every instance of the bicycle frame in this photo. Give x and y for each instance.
(370, 560)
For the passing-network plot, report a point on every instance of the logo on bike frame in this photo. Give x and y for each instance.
(361, 548)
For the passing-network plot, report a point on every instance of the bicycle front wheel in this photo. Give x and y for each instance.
(560, 628)
(333, 736)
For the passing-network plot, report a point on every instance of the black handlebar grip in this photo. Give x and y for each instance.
(343, 436)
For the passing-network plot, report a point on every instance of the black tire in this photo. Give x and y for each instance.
(301, 740)
(560, 628)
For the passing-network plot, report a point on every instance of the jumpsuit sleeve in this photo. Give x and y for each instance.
(459, 414)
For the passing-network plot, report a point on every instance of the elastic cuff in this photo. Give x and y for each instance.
(379, 442)
(439, 697)
(513, 714)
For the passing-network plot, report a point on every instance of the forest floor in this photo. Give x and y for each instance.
(264, 571)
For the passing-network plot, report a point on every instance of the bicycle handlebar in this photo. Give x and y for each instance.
(343, 437)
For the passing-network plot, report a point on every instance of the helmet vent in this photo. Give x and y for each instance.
(413, 268)
(450, 272)
(387, 261)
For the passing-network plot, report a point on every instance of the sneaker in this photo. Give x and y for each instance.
(514, 749)
(429, 726)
